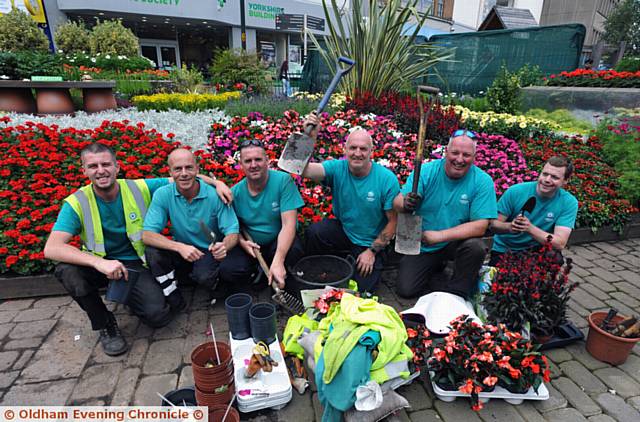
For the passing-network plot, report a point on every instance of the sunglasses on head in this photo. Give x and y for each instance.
(464, 132)
(251, 143)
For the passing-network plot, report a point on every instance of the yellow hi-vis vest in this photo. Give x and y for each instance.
(135, 201)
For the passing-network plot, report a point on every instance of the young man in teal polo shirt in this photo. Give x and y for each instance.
(266, 203)
(363, 193)
(456, 200)
(554, 214)
(187, 203)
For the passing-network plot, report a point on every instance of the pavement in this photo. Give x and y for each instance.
(50, 356)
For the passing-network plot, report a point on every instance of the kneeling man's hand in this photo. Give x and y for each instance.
(431, 237)
(277, 273)
(365, 262)
(249, 247)
(411, 201)
(218, 250)
(112, 268)
(189, 253)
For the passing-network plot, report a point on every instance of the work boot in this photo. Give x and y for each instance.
(113, 343)
(176, 301)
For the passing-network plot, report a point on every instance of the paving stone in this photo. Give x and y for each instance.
(500, 410)
(144, 331)
(6, 329)
(400, 416)
(586, 300)
(424, 416)
(52, 302)
(128, 324)
(24, 359)
(61, 356)
(564, 415)
(176, 328)
(96, 382)
(579, 271)
(190, 343)
(621, 307)
(7, 359)
(317, 407)
(578, 320)
(593, 290)
(555, 372)
(15, 305)
(631, 276)
(601, 418)
(198, 321)
(626, 299)
(36, 314)
(576, 397)
(137, 352)
(606, 275)
(583, 377)
(619, 381)
(7, 378)
(555, 401)
(32, 329)
(635, 402)
(164, 356)
(27, 343)
(53, 393)
(299, 408)
(7, 316)
(558, 355)
(632, 367)
(186, 377)
(587, 254)
(457, 410)
(147, 392)
(615, 407)
(416, 395)
(528, 411)
(579, 353)
(126, 387)
(605, 286)
(609, 264)
(628, 288)
(610, 248)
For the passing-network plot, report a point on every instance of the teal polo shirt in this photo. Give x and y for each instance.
(169, 204)
(114, 231)
(261, 214)
(559, 210)
(447, 202)
(360, 203)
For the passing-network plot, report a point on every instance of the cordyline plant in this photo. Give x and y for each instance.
(531, 287)
(474, 358)
(386, 55)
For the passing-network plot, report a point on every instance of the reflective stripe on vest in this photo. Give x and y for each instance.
(87, 221)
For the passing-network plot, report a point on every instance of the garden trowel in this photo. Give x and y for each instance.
(409, 228)
(299, 147)
(528, 206)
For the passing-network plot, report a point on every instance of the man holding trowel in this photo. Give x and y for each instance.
(266, 203)
(198, 217)
(551, 213)
(456, 200)
(363, 193)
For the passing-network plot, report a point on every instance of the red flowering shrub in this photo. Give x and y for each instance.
(595, 78)
(594, 183)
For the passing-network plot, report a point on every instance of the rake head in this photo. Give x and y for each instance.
(288, 302)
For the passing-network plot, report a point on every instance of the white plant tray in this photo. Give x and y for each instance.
(276, 383)
(497, 393)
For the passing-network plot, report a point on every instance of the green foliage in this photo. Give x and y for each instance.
(186, 80)
(25, 64)
(530, 75)
(111, 37)
(621, 148)
(567, 122)
(18, 32)
(623, 24)
(629, 64)
(270, 106)
(130, 87)
(504, 93)
(72, 37)
(386, 58)
(230, 67)
(472, 103)
(108, 62)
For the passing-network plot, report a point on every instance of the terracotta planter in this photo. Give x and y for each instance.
(208, 379)
(214, 399)
(217, 412)
(604, 346)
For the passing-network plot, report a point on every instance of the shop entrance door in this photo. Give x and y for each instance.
(164, 53)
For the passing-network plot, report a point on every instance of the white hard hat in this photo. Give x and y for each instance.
(438, 309)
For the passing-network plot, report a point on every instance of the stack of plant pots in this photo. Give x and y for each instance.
(213, 381)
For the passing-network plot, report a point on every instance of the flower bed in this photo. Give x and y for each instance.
(595, 78)
(509, 125)
(183, 102)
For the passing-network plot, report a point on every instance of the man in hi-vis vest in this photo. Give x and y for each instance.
(108, 215)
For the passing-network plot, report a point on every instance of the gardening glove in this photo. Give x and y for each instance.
(411, 201)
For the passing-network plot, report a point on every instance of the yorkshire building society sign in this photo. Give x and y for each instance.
(264, 11)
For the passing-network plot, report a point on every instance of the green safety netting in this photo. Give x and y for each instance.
(479, 55)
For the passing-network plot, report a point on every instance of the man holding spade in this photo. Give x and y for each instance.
(551, 212)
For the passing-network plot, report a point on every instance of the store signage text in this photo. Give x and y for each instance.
(167, 2)
(264, 11)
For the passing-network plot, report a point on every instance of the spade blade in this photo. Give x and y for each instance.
(296, 153)
(408, 234)
(528, 206)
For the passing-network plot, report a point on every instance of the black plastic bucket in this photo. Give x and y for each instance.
(182, 397)
(263, 322)
(238, 306)
(318, 271)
